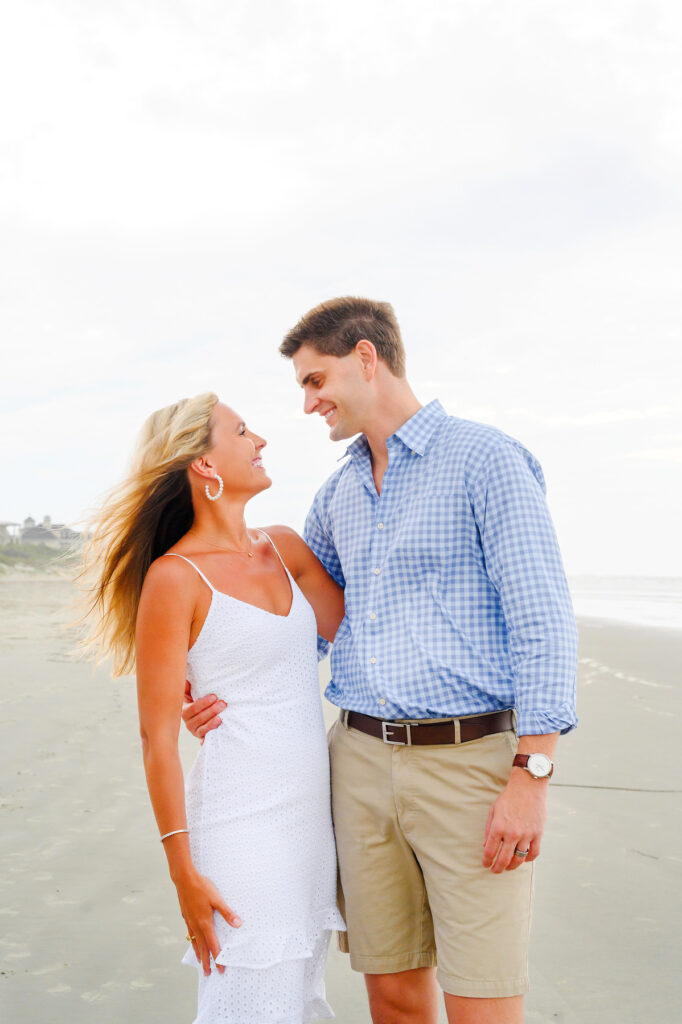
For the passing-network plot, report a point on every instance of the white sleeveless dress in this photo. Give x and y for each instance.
(258, 813)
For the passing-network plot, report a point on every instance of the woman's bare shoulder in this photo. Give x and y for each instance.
(281, 532)
(169, 573)
(290, 545)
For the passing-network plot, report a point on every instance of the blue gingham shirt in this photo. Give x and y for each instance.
(456, 598)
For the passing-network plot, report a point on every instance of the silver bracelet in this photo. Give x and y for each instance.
(176, 833)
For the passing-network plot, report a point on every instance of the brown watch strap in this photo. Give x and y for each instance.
(521, 761)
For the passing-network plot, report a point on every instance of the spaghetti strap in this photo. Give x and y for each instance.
(275, 550)
(174, 554)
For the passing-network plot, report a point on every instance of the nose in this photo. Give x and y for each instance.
(310, 403)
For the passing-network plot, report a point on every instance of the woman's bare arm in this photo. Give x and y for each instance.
(164, 622)
(323, 592)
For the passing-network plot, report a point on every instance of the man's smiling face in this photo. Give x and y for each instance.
(334, 387)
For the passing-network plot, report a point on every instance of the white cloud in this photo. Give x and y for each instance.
(611, 416)
(657, 454)
(211, 113)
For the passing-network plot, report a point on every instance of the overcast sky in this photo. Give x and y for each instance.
(180, 181)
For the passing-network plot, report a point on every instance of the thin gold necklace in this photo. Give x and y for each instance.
(230, 551)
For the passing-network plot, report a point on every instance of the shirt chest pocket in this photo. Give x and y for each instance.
(433, 533)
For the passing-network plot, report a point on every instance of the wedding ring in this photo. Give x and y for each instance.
(521, 853)
(190, 938)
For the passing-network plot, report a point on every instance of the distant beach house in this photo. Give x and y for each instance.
(9, 533)
(52, 535)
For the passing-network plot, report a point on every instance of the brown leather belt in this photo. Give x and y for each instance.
(416, 733)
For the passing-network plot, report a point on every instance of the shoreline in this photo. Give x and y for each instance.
(18, 573)
(602, 622)
(33, 576)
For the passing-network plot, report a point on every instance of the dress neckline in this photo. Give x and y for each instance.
(230, 597)
(249, 604)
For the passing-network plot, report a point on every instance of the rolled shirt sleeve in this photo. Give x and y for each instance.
(524, 564)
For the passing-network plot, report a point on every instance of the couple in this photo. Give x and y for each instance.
(432, 565)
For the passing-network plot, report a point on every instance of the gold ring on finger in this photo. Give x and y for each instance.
(190, 938)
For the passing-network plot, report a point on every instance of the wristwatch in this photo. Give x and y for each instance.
(539, 765)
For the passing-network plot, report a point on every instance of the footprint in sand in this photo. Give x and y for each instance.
(93, 997)
(48, 969)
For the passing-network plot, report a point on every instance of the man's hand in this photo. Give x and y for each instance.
(202, 715)
(516, 821)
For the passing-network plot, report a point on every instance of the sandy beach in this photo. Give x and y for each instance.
(89, 925)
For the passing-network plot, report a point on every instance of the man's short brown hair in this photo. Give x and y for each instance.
(335, 327)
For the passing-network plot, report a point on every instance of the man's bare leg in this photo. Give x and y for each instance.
(461, 1010)
(406, 997)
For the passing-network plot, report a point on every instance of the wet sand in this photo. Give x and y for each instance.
(89, 925)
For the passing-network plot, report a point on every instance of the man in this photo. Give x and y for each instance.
(457, 612)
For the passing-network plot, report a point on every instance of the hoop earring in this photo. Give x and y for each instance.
(214, 497)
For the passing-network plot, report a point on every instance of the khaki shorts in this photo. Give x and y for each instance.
(410, 823)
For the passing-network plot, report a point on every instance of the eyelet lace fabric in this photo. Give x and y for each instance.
(258, 814)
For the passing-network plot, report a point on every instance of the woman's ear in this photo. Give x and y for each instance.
(204, 468)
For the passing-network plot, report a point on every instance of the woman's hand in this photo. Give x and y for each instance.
(199, 898)
(203, 714)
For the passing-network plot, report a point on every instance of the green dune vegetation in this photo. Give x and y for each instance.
(31, 559)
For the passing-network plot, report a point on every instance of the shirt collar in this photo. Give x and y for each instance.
(416, 433)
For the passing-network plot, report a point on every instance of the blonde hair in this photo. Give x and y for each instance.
(139, 521)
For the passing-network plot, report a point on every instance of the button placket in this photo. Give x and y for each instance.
(377, 555)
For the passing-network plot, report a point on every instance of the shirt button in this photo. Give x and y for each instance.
(382, 700)
(377, 571)
(372, 615)
(380, 526)
(373, 661)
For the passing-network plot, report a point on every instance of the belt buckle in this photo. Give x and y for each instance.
(386, 726)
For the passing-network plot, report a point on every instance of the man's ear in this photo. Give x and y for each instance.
(367, 354)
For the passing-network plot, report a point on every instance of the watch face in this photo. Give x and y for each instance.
(539, 765)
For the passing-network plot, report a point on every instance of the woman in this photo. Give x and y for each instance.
(185, 590)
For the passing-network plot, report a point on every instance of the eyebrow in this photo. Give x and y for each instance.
(306, 379)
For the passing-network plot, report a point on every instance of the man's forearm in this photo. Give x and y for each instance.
(543, 743)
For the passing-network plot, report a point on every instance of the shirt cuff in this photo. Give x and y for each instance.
(539, 723)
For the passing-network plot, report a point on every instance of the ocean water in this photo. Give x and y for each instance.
(639, 600)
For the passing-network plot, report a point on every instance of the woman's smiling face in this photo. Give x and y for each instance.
(236, 453)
